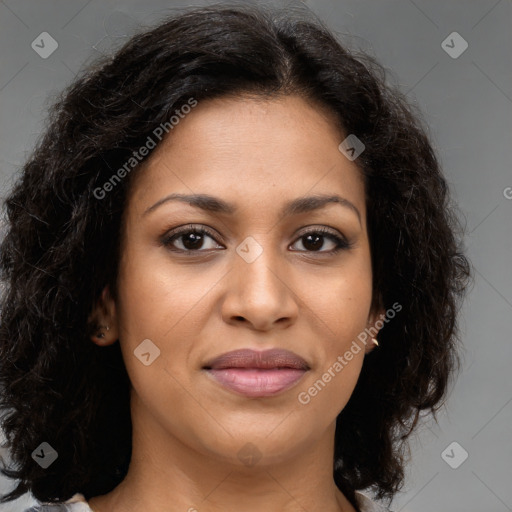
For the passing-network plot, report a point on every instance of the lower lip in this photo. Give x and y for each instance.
(254, 382)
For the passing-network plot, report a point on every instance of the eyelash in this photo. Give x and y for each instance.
(168, 239)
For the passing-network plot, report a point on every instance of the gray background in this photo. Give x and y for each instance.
(467, 102)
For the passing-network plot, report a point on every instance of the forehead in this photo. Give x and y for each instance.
(247, 149)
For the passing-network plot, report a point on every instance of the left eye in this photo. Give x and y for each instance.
(313, 240)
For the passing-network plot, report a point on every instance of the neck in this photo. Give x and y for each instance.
(179, 476)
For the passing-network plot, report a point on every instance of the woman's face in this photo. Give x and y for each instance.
(261, 278)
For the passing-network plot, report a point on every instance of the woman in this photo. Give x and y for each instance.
(232, 277)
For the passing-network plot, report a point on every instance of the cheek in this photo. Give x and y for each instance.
(168, 306)
(341, 302)
(157, 299)
(154, 312)
(323, 398)
(341, 305)
(344, 315)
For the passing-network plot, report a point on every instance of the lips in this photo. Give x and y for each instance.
(257, 373)
(268, 359)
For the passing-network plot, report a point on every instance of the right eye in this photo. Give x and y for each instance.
(191, 238)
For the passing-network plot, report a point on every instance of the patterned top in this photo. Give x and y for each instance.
(78, 503)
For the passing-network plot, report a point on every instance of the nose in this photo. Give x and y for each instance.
(260, 293)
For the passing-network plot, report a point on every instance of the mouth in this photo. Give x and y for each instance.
(257, 374)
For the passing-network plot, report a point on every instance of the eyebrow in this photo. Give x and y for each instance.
(213, 204)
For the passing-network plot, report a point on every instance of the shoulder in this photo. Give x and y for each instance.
(368, 505)
(76, 503)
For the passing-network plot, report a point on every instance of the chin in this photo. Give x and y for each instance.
(259, 447)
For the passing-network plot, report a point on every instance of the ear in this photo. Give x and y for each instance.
(103, 320)
(373, 326)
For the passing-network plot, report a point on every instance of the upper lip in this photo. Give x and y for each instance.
(266, 359)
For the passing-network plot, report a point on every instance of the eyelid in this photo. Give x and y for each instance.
(327, 232)
(331, 233)
(314, 228)
(187, 228)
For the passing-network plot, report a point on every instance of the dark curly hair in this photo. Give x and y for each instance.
(61, 245)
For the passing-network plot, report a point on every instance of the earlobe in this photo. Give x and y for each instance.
(102, 336)
(371, 346)
(373, 328)
(103, 321)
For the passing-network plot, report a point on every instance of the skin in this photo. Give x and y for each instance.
(187, 429)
